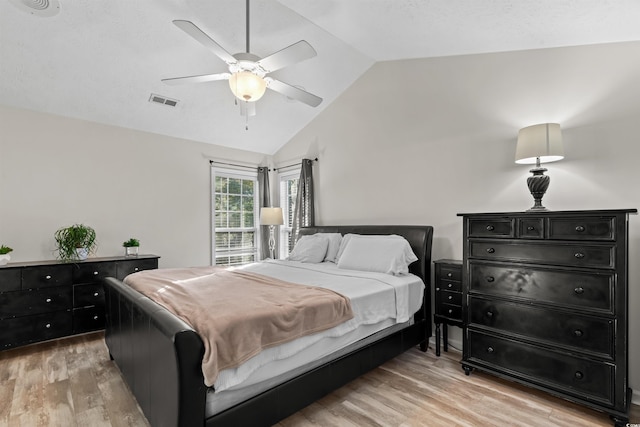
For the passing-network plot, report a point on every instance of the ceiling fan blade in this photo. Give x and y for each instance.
(293, 92)
(195, 32)
(196, 79)
(297, 52)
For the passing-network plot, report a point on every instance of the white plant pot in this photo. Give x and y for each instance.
(82, 253)
(4, 259)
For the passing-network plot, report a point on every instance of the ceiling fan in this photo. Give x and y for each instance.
(247, 74)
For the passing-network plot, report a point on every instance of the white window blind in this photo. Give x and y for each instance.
(288, 192)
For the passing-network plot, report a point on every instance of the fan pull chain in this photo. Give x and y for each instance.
(246, 117)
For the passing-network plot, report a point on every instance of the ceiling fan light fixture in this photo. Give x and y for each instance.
(247, 86)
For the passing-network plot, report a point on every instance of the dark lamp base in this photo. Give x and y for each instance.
(538, 184)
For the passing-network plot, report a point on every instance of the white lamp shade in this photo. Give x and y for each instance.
(543, 141)
(247, 86)
(271, 216)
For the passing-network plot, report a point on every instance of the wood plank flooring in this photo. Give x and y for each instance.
(72, 382)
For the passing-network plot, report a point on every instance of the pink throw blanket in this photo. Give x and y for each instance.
(238, 314)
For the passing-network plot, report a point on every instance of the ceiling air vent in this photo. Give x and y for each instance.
(38, 7)
(159, 99)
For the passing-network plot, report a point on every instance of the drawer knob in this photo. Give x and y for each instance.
(490, 228)
(489, 349)
(450, 297)
(531, 228)
(95, 294)
(48, 300)
(47, 277)
(579, 255)
(48, 325)
(449, 285)
(578, 333)
(95, 273)
(95, 317)
(136, 269)
(450, 311)
(489, 314)
(490, 250)
(579, 375)
(449, 274)
(579, 290)
(491, 279)
(580, 228)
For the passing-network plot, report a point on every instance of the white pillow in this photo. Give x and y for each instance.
(334, 245)
(377, 253)
(311, 249)
(347, 237)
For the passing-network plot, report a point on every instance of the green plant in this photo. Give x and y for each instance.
(131, 243)
(5, 250)
(77, 236)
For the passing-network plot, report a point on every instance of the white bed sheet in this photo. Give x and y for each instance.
(378, 301)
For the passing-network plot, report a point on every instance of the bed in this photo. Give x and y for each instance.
(160, 356)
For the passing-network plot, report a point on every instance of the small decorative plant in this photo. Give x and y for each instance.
(131, 243)
(5, 250)
(75, 242)
(4, 254)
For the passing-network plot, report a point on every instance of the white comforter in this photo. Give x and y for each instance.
(375, 297)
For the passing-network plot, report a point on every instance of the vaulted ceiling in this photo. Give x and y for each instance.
(102, 60)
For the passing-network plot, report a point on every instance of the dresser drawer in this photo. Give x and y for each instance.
(88, 319)
(124, 268)
(39, 327)
(582, 228)
(593, 291)
(93, 272)
(10, 279)
(85, 295)
(23, 303)
(47, 275)
(450, 311)
(591, 334)
(450, 286)
(531, 228)
(572, 375)
(450, 273)
(579, 255)
(480, 227)
(446, 297)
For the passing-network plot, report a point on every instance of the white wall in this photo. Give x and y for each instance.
(57, 171)
(418, 141)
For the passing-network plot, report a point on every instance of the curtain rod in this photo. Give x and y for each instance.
(294, 164)
(234, 165)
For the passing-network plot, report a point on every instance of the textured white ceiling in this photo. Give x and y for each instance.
(101, 60)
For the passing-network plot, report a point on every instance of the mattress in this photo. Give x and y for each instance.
(381, 304)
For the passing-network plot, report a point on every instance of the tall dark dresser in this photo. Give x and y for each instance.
(545, 303)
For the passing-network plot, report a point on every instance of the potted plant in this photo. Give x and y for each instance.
(131, 247)
(75, 242)
(4, 254)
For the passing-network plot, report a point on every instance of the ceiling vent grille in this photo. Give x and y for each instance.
(38, 7)
(159, 99)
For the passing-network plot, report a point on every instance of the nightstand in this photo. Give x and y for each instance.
(448, 298)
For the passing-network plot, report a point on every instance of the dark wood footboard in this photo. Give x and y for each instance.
(159, 355)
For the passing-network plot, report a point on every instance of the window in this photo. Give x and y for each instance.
(288, 192)
(235, 228)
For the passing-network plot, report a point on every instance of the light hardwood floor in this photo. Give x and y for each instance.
(72, 382)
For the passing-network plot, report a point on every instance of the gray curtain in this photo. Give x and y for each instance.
(265, 202)
(303, 213)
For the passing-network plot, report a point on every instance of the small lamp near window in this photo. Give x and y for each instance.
(271, 217)
(538, 144)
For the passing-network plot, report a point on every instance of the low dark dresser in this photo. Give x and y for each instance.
(545, 297)
(51, 299)
(448, 298)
